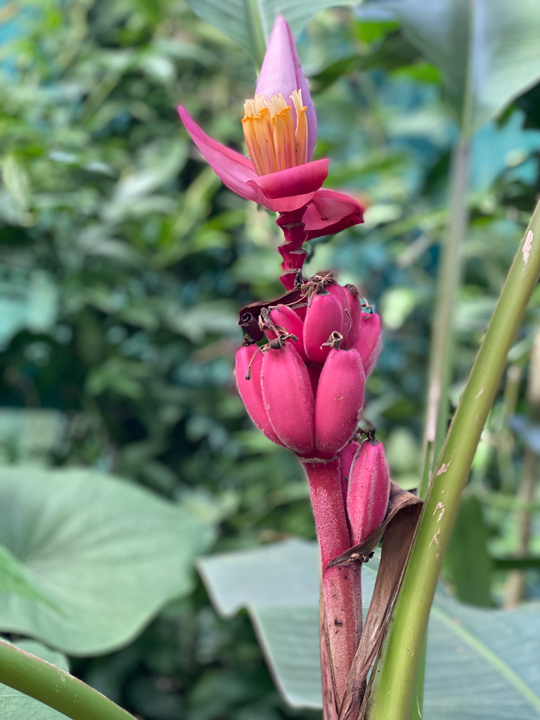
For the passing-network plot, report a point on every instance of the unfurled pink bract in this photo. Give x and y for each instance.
(280, 129)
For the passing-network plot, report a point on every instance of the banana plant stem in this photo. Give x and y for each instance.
(394, 682)
(55, 687)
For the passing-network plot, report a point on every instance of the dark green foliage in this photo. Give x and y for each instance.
(469, 563)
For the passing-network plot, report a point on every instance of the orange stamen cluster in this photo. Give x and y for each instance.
(273, 142)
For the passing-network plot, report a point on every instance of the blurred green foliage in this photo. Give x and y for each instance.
(123, 262)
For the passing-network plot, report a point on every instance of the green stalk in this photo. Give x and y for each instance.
(55, 687)
(442, 345)
(253, 15)
(417, 710)
(396, 674)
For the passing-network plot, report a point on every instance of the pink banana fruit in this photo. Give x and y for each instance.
(282, 316)
(324, 316)
(340, 396)
(341, 294)
(288, 398)
(249, 365)
(368, 342)
(368, 490)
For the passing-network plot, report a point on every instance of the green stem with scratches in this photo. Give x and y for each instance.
(55, 687)
(394, 682)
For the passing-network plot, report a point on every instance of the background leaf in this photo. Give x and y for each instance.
(105, 554)
(14, 580)
(486, 49)
(481, 663)
(467, 559)
(249, 22)
(16, 180)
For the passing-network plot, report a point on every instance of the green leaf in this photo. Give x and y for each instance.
(480, 663)
(249, 22)
(105, 554)
(486, 49)
(286, 621)
(467, 558)
(14, 705)
(16, 180)
(14, 580)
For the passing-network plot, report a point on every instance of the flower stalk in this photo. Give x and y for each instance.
(340, 585)
(292, 251)
(304, 387)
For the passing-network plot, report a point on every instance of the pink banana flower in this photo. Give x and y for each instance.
(280, 129)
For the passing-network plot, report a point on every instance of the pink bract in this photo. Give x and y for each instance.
(281, 72)
(326, 211)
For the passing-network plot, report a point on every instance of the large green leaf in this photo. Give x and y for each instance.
(14, 705)
(104, 556)
(14, 579)
(467, 559)
(486, 49)
(279, 586)
(249, 22)
(482, 664)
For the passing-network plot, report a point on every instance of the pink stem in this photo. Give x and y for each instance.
(340, 585)
(291, 251)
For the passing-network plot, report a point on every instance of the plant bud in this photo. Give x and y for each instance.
(368, 342)
(324, 316)
(368, 491)
(283, 317)
(340, 396)
(249, 364)
(288, 398)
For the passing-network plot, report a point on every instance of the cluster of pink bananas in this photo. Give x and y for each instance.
(304, 389)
